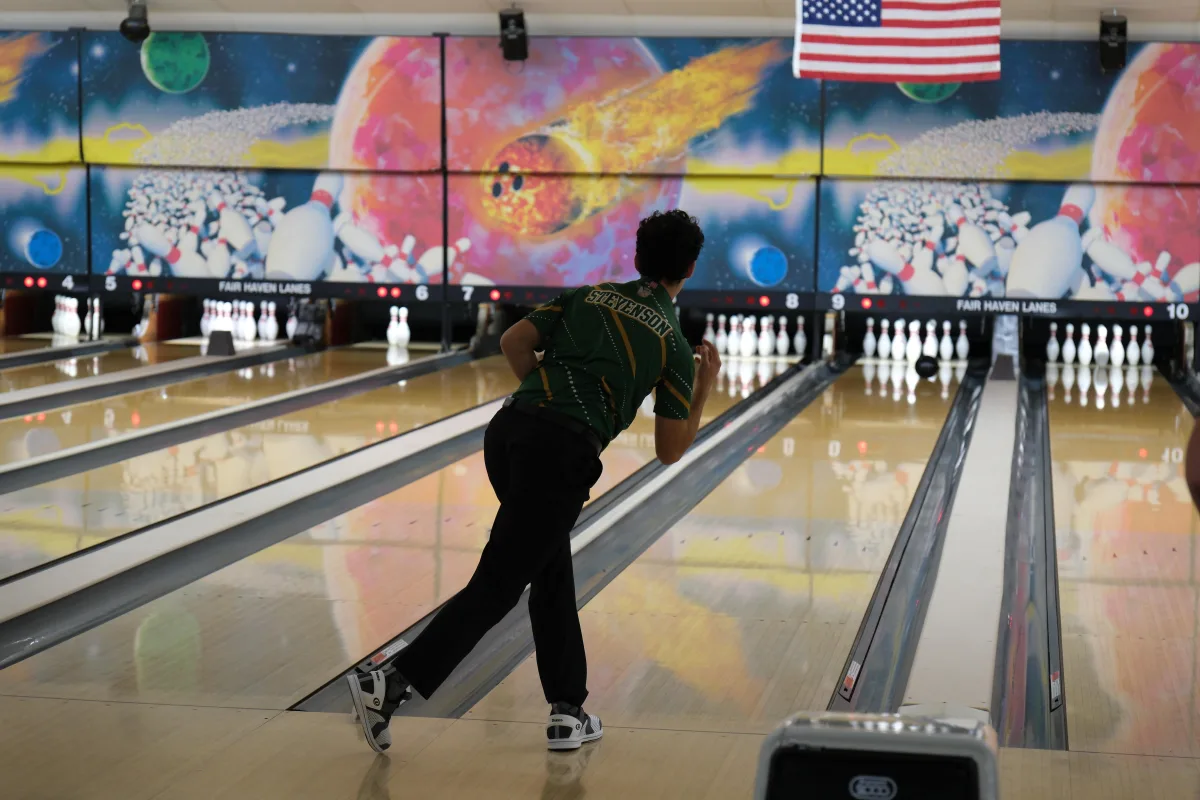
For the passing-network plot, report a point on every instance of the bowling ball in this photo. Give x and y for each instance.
(175, 62)
(44, 249)
(928, 92)
(926, 366)
(1149, 132)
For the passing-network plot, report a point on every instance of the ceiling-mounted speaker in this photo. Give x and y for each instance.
(1113, 42)
(514, 42)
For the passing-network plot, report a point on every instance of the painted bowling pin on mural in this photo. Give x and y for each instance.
(302, 243)
(1047, 262)
(916, 278)
(183, 264)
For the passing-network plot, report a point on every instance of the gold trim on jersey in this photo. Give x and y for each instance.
(545, 382)
(627, 307)
(678, 395)
(625, 338)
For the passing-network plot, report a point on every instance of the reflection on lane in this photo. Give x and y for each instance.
(69, 369)
(268, 630)
(1127, 559)
(744, 610)
(48, 521)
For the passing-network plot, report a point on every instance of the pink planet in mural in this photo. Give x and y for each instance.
(1150, 133)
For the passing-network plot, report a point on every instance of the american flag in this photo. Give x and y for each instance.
(910, 41)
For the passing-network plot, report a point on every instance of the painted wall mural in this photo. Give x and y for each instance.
(43, 219)
(262, 100)
(631, 106)
(548, 230)
(285, 225)
(1023, 240)
(1055, 116)
(39, 97)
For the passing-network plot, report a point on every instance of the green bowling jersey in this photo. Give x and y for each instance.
(606, 348)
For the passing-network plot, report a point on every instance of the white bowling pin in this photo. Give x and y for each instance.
(393, 328)
(1101, 353)
(1133, 353)
(912, 349)
(87, 319)
(1047, 262)
(1068, 349)
(403, 334)
(206, 319)
(766, 337)
(1118, 349)
(962, 347)
(916, 277)
(1085, 347)
(262, 319)
(781, 338)
(930, 346)
(1147, 347)
(709, 333)
(945, 346)
(303, 241)
(358, 241)
(885, 341)
(800, 340)
(292, 323)
(184, 264)
(250, 329)
(1052, 347)
(869, 341)
(722, 340)
(56, 317)
(749, 341)
(899, 340)
(73, 326)
(272, 323)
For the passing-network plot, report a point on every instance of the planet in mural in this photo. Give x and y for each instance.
(175, 63)
(1150, 132)
(928, 92)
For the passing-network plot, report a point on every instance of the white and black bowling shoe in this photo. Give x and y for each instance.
(374, 704)
(569, 727)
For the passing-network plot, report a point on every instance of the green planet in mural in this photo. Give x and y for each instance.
(928, 92)
(175, 62)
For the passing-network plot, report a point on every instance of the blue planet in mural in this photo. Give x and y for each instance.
(761, 262)
(44, 249)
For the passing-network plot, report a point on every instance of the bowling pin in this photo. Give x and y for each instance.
(930, 347)
(87, 319)
(898, 340)
(1118, 350)
(1068, 350)
(722, 340)
(1085, 347)
(302, 243)
(885, 341)
(962, 347)
(1147, 348)
(800, 340)
(358, 241)
(249, 328)
(749, 341)
(403, 334)
(206, 319)
(184, 264)
(393, 328)
(262, 319)
(766, 336)
(946, 346)
(292, 323)
(272, 323)
(781, 338)
(218, 258)
(912, 349)
(1052, 347)
(916, 277)
(1048, 261)
(1133, 353)
(1101, 354)
(72, 327)
(709, 334)
(233, 225)
(869, 341)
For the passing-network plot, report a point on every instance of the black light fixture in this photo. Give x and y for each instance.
(1113, 41)
(136, 25)
(514, 42)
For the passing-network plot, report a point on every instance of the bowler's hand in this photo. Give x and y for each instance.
(708, 364)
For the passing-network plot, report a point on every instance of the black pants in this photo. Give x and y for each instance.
(542, 474)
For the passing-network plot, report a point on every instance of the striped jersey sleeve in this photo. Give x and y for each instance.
(546, 317)
(673, 392)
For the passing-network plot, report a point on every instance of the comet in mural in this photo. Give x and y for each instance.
(644, 128)
(17, 54)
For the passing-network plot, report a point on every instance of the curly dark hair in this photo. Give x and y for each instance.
(668, 244)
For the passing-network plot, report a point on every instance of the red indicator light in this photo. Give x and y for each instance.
(866, 303)
(495, 295)
(862, 448)
(1148, 311)
(395, 291)
(764, 301)
(28, 282)
(1142, 453)
(41, 282)
(137, 285)
(381, 291)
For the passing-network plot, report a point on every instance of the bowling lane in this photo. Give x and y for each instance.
(69, 369)
(266, 631)
(14, 344)
(743, 612)
(45, 522)
(1127, 567)
(111, 417)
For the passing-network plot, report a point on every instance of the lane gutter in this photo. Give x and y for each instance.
(609, 536)
(99, 387)
(100, 453)
(880, 661)
(42, 354)
(1028, 703)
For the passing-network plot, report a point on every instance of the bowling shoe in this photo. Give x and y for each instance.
(376, 697)
(571, 726)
